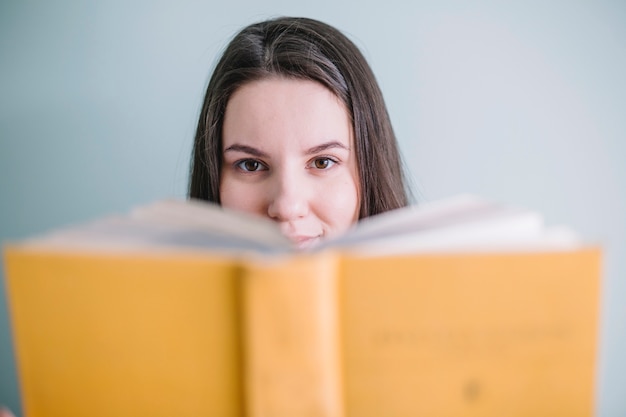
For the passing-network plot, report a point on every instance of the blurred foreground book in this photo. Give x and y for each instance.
(460, 307)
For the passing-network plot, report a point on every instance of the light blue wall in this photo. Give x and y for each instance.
(525, 104)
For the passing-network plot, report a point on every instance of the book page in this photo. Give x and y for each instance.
(171, 224)
(461, 223)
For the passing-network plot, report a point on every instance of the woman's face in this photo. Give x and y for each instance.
(288, 154)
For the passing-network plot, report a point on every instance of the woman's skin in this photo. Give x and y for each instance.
(288, 147)
(4, 412)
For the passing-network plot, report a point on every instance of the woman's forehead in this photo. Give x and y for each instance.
(286, 110)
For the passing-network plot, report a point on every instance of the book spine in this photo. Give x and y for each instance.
(292, 360)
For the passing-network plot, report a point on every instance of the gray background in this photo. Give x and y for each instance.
(520, 102)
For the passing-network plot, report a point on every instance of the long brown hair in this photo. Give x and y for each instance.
(312, 50)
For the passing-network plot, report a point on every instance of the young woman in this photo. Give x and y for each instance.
(294, 127)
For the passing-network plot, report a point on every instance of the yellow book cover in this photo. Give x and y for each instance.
(461, 307)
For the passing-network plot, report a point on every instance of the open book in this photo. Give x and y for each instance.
(456, 307)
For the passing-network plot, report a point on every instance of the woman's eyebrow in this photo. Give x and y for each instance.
(246, 149)
(325, 146)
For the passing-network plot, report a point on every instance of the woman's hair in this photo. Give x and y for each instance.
(305, 49)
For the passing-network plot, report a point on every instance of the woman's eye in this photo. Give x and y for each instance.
(250, 165)
(323, 163)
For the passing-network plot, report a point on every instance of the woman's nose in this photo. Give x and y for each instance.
(288, 197)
